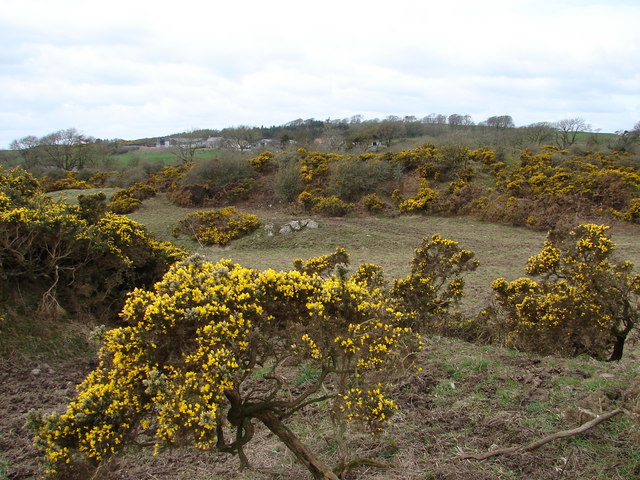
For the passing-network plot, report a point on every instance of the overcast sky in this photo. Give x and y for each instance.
(138, 68)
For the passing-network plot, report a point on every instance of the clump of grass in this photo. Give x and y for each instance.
(307, 373)
(4, 468)
(29, 333)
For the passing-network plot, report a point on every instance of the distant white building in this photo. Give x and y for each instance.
(213, 142)
(164, 142)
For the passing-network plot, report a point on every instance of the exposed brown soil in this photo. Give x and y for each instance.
(26, 386)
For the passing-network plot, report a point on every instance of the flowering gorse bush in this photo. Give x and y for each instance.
(419, 202)
(322, 265)
(124, 204)
(415, 158)
(217, 227)
(262, 162)
(131, 242)
(130, 199)
(56, 250)
(373, 203)
(330, 206)
(632, 214)
(370, 407)
(314, 166)
(435, 283)
(583, 303)
(69, 181)
(183, 369)
(552, 186)
(17, 183)
(167, 179)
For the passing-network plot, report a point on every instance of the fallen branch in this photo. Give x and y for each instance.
(538, 443)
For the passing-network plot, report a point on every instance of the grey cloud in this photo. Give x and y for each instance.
(154, 70)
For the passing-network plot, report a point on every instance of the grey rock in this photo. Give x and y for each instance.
(295, 225)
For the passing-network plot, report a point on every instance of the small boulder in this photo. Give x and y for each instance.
(285, 229)
(295, 225)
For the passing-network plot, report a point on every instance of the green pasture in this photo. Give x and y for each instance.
(165, 157)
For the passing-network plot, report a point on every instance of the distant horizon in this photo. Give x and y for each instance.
(345, 119)
(284, 125)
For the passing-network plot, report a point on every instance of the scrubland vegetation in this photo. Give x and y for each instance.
(468, 289)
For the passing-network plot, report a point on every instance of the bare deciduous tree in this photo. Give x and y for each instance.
(240, 138)
(536, 133)
(27, 146)
(499, 121)
(567, 131)
(185, 147)
(66, 149)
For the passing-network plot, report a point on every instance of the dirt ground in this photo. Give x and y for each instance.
(470, 399)
(23, 387)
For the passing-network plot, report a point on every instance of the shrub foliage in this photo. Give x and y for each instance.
(182, 368)
(551, 187)
(583, 302)
(130, 199)
(203, 355)
(435, 283)
(217, 227)
(70, 180)
(331, 206)
(70, 255)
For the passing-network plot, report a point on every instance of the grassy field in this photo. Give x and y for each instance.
(155, 155)
(389, 242)
(468, 399)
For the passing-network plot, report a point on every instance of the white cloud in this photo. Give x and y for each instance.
(132, 69)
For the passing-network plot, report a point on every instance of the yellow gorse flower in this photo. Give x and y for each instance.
(202, 330)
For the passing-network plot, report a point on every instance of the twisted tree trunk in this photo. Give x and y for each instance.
(317, 468)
